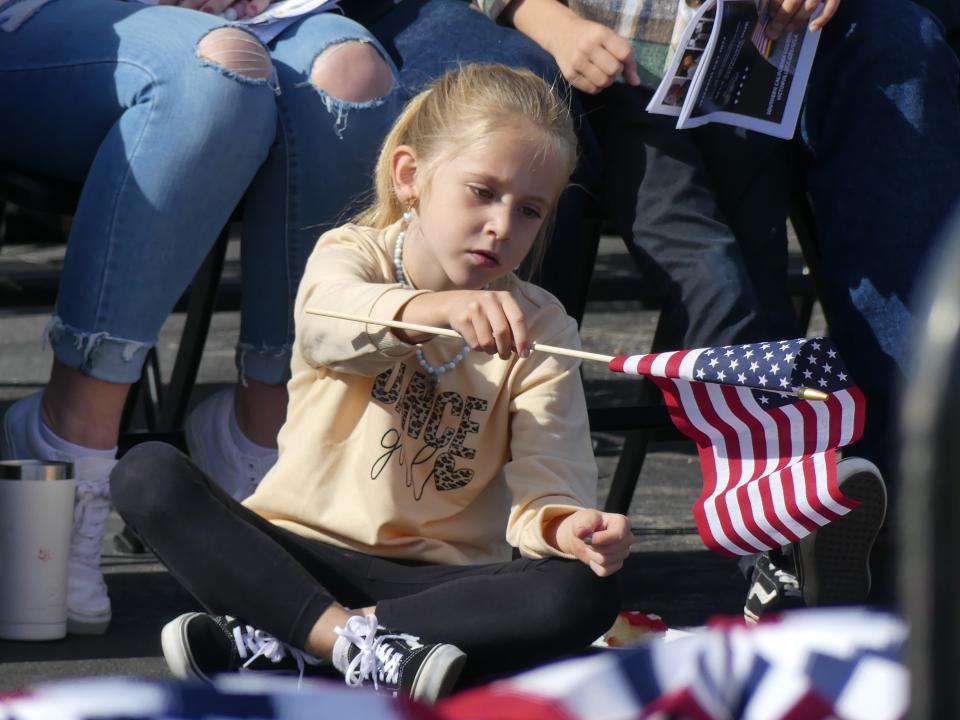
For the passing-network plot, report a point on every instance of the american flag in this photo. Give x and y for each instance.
(768, 457)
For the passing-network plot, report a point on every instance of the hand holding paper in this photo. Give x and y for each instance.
(591, 56)
(741, 65)
(793, 14)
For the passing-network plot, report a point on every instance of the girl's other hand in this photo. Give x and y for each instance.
(598, 539)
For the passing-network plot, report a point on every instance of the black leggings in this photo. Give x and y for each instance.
(505, 616)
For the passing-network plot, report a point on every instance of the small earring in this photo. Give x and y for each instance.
(408, 213)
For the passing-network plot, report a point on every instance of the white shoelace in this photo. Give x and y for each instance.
(789, 581)
(376, 657)
(91, 508)
(262, 644)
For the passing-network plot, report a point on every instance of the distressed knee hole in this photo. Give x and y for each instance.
(352, 71)
(236, 51)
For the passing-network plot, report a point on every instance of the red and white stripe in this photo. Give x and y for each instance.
(770, 475)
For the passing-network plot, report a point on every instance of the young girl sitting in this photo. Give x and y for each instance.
(410, 466)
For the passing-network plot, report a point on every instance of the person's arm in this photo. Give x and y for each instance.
(348, 272)
(552, 475)
(590, 55)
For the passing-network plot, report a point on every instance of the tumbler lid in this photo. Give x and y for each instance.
(35, 470)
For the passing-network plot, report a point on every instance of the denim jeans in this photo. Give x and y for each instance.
(114, 93)
(882, 127)
(316, 174)
(661, 199)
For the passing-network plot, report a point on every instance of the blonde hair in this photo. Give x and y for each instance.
(466, 106)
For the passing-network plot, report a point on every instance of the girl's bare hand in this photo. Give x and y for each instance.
(489, 320)
(598, 539)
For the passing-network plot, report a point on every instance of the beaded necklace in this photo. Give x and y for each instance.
(435, 370)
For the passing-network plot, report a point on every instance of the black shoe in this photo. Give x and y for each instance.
(197, 645)
(773, 588)
(833, 562)
(398, 663)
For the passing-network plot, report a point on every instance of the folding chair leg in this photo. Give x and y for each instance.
(628, 470)
(634, 452)
(203, 291)
(149, 388)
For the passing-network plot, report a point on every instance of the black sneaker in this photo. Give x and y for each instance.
(197, 645)
(773, 588)
(396, 662)
(833, 562)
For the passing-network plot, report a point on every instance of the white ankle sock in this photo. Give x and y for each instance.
(47, 437)
(245, 445)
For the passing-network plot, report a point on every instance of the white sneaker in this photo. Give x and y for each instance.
(214, 450)
(88, 605)
(197, 645)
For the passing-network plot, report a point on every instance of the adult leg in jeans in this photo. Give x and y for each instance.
(753, 178)
(92, 94)
(882, 128)
(660, 196)
(338, 97)
(235, 562)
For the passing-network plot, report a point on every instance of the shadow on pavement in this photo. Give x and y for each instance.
(683, 587)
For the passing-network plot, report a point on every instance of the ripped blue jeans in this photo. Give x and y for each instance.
(114, 95)
(317, 174)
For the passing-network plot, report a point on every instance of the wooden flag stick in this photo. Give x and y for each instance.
(803, 393)
(446, 332)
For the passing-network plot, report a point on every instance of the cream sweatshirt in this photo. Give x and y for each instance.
(375, 458)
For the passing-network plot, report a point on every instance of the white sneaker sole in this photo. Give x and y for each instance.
(88, 623)
(438, 673)
(173, 641)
